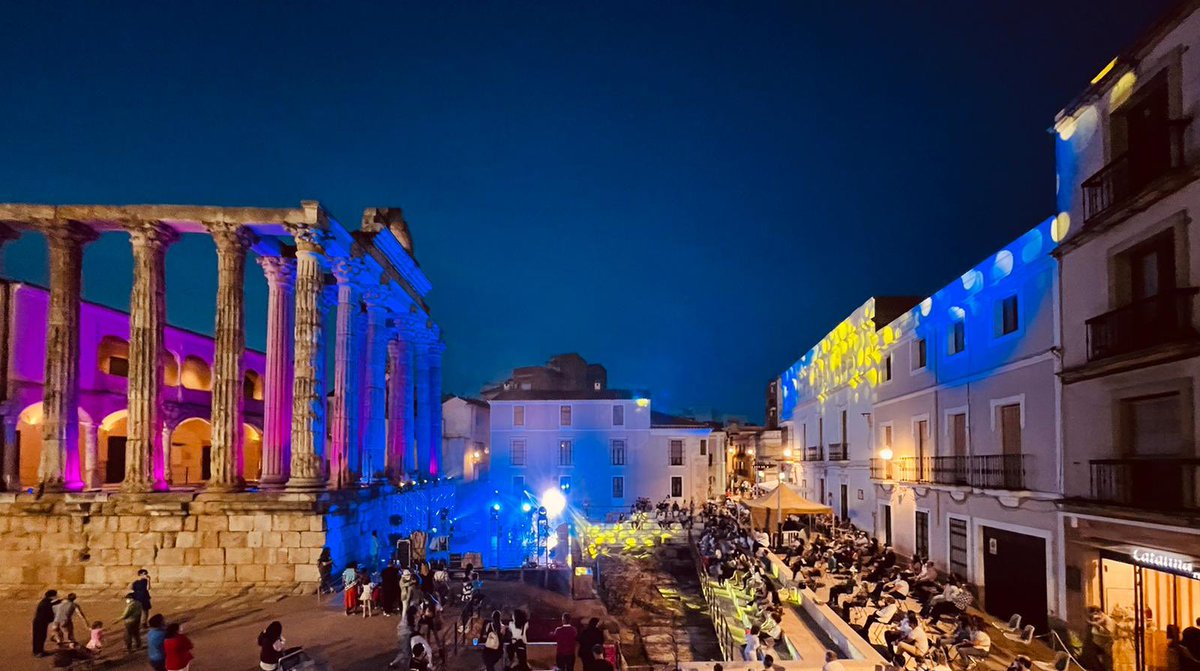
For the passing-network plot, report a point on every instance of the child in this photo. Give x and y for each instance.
(96, 642)
(368, 597)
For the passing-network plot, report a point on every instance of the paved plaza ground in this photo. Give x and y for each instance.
(223, 629)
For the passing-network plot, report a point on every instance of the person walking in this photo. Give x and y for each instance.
(565, 637)
(64, 620)
(131, 619)
(494, 634)
(177, 649)
(43, 617)
(155, 637)
(404, 635)
(270, 646)
(141, 592)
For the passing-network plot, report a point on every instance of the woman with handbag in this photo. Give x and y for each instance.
(494, 640)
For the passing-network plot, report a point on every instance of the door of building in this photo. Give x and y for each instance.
(206, 462)
(845, 510)
(1011, 558)
(957, 558)
(887, 525)
(822, 490)
(114, 466)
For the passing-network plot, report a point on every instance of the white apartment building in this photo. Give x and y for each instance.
(825, 400)
(603, 448)
(966, 450)
(1128, 157)
(466, 438)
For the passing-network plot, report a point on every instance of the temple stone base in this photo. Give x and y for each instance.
(190, 542)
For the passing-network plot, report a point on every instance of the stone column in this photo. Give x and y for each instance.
(375, 411)
(91, 456)
(308, 395)
(281, 274)
(432, 454)
(147, 317)
(58, 468)
(328, 305)
(422, 439)
(400, 407)
(10, 475)
(229, 349)
(345, 391)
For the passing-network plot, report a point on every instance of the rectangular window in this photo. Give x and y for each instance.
(918, 354)
(618, 415)
(564, 483)
(676, 452)
(564, 453)
(517, 453)
(704, 446)
(676, 486)
(618, 487)
(1008, 315)
(518, 415)
(887, 436)
(1010, 428)
(958, 337)
(518, 484)
(564, 415)
(618, 453)
(922, 529)
(1152, 426)
(887, 368)
(958, 434)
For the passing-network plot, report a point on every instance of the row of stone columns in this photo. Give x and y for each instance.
(386, 373)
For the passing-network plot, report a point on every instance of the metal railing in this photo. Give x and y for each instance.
(814, 453)
(1131, 172)
(988, 471)
(839, 451)
(1160, 319)
(1149, 483)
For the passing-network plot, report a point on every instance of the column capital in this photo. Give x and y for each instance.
(436, 349)
(279, 270)
(67, 231)
(230, 237)
(347, 270)
(378, 298)
(309, 238)
(153, 234)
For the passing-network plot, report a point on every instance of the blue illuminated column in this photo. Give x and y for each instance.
(345, 391)
(400, 407)
(434, 455)
(420, 461)
(375, 378)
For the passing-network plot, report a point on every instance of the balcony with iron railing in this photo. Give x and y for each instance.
(814, 453)
(839, 452)
(1158, 320)
(988, 471)
(1134, 172)
(1148, 483)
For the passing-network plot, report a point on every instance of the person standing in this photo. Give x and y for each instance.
(589, 638)
(494, 633)
(141, 592)
(131, 619)
(64, 619)
(155, 638)
(565, 637)
(350, 588)
(374, 550)
(43, 617)
(177, 649)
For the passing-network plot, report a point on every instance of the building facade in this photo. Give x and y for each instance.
(466, 438)
(825, 401)
(1128, 153)
(965, 467)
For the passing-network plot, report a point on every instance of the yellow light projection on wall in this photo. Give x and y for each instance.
(848, 356)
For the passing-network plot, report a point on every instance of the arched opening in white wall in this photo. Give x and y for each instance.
(191, 446)
(196, 374)
(111, 441)
(112, 356)
(252, 386)
(170, 370)
(29, 438)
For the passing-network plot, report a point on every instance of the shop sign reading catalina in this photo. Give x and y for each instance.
(1184, 566)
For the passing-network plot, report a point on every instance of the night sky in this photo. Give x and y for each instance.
(690, 193)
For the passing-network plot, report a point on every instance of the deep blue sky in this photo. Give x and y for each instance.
(690, 193)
